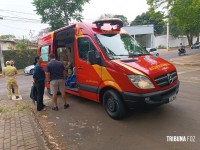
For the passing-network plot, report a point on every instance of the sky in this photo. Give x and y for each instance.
(13, 10)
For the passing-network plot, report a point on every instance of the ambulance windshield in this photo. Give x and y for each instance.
(117, 46)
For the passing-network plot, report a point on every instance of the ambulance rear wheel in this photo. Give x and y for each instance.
(113, 105)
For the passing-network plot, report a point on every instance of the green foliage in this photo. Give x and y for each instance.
(23, 44)
(106, 16)
(183, 16)
(161, 47)
(123, 18)
(22, 58)
(58, 13)
(151, 17)
(163, 4)
(8, 36)
(185, 19)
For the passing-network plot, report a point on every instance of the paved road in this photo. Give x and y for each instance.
(174, 54)
(86, 126)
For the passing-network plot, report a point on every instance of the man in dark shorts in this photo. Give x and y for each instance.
(56, 74)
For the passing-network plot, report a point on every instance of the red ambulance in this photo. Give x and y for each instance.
(110, 67)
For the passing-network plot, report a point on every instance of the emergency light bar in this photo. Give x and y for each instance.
(111, 21)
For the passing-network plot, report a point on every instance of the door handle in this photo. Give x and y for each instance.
(80, 67)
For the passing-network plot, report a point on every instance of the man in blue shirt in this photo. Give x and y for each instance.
(56, 74)
(39, 81)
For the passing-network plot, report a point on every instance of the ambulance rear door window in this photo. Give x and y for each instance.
(45, 52)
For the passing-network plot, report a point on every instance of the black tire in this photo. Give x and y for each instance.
(49, 91)
(113, 105)
(31, 71)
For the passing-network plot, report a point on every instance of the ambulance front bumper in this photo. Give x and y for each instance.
(161, 97)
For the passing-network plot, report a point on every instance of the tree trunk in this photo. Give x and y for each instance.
(190, 39)
(67, 18)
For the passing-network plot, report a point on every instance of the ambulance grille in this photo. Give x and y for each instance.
(166, 79)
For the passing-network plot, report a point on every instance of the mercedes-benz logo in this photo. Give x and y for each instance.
(169, 77)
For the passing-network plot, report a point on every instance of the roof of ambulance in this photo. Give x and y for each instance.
(88, 27)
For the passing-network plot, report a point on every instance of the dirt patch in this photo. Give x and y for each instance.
(48, 131)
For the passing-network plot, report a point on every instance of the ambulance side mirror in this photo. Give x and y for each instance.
(93, 58)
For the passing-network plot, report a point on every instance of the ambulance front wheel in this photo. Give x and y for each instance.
(113, 105)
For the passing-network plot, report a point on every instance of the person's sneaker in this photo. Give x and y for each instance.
(55, 108)
(17, 97)
(66, 106)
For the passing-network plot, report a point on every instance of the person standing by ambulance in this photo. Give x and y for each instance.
(10, 73)
(56, 75)
(39, 81)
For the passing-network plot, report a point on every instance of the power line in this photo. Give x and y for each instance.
(21, 18)
(17, 12)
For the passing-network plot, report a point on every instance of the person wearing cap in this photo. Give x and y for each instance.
(12, 63)
(39, 81)
(10, 72)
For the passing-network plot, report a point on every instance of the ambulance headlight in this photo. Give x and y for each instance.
(141, 81)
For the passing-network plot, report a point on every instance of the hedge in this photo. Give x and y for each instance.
(22, 58)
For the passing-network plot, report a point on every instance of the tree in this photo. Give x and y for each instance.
(186, 18)
(163, 4)
(151, 17)
(22, 44)
(58, 13)
(8, 36)
(106, 16)
(123, 18)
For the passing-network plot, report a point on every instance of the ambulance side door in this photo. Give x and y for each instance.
(88, 76)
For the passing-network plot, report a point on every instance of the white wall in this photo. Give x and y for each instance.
(5, 45)
(140, 29)
(173, 42)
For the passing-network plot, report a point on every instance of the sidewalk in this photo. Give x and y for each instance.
(18, 128)
(191, 60)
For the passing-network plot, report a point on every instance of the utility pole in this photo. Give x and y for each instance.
(167, 29)
(168, 34)
(1, 54)
(1, 58)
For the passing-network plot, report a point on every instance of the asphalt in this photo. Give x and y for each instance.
(191, 60)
